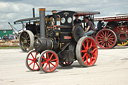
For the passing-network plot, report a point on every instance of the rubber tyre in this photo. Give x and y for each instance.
(79, 47)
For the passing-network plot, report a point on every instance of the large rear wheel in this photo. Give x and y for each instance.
(86, 51)
(106, 39)
(26, 41)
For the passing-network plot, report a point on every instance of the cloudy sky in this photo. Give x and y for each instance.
(11, 10)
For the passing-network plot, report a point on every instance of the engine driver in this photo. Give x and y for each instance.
(77, 20)
(90, 29)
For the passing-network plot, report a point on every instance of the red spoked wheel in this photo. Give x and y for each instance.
(64, 63)
(106, 39)
(32, 61)
(48, 61)
(122, 37)
(86, 51)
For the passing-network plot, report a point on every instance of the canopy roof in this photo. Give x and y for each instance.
(117, 18)
(86, 13)
(37, 19)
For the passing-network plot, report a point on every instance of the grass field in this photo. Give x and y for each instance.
(9, 47)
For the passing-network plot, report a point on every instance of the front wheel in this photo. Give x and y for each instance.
(48, 61)
(32, 61)
(86, 51)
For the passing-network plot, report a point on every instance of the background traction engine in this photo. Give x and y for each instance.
(114, 33)
(61, 47)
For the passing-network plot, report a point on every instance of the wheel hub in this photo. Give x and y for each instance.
(88, 51)
(34, 60)
(25, 41)
(105, 39)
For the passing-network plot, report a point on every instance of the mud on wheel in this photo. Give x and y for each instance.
(32, 61)
(106, 39)
(26, 41)
(48, 61)
(86, 51)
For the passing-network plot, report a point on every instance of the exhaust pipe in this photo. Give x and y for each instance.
(42, 22)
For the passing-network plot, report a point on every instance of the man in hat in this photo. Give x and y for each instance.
(77, 20)
(90, 27)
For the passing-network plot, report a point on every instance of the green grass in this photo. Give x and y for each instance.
(9, 47)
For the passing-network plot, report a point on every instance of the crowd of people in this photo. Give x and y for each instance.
(7, 38)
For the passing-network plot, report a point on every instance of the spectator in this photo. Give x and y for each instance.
(99, 25)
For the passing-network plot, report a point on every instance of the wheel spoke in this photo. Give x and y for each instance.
(111, 41)
(105, 34)
(32, 56)
(30, 59)
(51, 57)
(111, 38)
(106, 44)
(35, 55)
(84, 55)
(90, 59)
(44, 58)
(43, 63)
(109, 35)
(93, 50)
(47, 56)
(45, 66)
(37, 65)
(30, 63)
(86, 59)
(102, 34)
(100, 37)
(49, 68)
(83, 51)
(53, 64)
(94, 58)
(84, 46)
(34, 66)
(54, 60)
(90, 45)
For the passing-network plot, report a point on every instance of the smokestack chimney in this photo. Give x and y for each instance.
(42, 22)
(33, 12)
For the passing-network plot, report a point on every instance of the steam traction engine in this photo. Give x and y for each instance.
(115, 32)
(61, 44)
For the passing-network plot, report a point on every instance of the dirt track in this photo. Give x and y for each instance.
(111, 68)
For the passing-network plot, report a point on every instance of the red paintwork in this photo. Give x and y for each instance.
(89, 44)
(67, 37)
(108, 19)
(33, 65)
(106, 39)
(48, 60)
